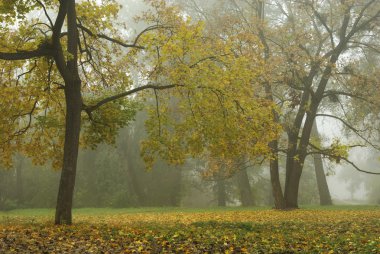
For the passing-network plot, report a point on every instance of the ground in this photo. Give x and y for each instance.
(348, 229)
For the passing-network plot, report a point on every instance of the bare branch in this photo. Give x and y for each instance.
(356, 27)
(358, 169)
(25, 73)
(323, 22)
(356, 96)
(356, 131)
(46, 13)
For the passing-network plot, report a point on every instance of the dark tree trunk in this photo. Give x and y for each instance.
(278, 196)
(70, 156)
(221, 192)
(323, 188)
(291, 193)
(73, 99)
(245, 190)
(296, 156)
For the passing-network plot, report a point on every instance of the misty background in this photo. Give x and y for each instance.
(115, 176)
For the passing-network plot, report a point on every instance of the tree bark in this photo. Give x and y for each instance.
(323, 188)
(73, 99)
(291, 193)
(278, 196)
(71, 146)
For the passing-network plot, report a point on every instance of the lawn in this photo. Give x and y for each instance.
(337, 229)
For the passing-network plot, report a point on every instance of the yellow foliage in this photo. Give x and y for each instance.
(234, 231)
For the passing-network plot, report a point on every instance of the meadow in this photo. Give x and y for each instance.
(332, 229)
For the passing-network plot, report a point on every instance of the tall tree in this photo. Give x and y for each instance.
(70, 65)
(306, 46)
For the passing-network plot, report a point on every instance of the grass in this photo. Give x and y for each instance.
(311, 229)
(114, 211)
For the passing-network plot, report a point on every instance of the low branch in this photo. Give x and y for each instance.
(91, 108)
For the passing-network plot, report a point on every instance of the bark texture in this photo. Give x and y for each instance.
(73, 99)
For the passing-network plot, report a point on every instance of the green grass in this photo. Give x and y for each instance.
(114, 211)
(341, 207)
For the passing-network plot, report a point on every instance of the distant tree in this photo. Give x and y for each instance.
(306, 47)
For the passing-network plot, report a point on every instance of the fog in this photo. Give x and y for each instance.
(116, 175)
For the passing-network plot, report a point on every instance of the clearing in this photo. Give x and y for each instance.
(335, 229)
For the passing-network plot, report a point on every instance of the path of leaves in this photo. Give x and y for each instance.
(204, 232)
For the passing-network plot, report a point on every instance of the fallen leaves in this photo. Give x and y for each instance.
(267, 231)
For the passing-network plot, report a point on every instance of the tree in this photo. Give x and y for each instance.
(53, 56)
(62, 72)
(312, 68)
(306, 47)
(225, 118)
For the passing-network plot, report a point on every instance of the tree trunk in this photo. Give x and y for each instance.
(70, 155)
(279, 201)
(221, 192)
(291, 193)
(323, 188)
(73, 118)
(246, 196)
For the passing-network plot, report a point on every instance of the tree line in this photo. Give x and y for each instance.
(234, 84)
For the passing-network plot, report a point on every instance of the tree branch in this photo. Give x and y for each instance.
(25, 55)
(46, 13)
(103, 36)
(326, 153)
(358, 169)
(356, 131)
(91, 108)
